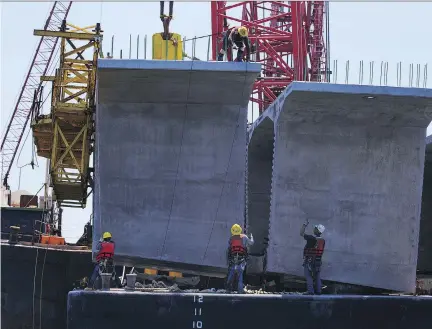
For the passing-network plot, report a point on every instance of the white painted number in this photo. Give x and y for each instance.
(200, 299)
(198, 311)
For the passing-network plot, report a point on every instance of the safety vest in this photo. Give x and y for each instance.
(236, 245)
(316, 251)
(106, 251)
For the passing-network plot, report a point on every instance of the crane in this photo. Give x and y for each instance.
(65, 136)
(287, 37)
(32, 84)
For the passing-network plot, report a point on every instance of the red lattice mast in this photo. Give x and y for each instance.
(286, 38)
(39, 66)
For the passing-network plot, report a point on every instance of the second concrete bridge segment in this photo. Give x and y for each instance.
(351, 158)
(170, 159)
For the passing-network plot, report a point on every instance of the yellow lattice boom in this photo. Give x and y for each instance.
(66, 135)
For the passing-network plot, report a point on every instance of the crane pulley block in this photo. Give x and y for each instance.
(171, 49)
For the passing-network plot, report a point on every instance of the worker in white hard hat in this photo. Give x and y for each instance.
(312, 257)
(237, 256)
(236, 36)
(105, 252)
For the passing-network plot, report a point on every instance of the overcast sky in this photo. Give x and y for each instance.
(368, 31)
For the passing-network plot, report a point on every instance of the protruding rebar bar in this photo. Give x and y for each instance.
(112, 46)
(347, 66)
(410, 75)
(418, 76)
(371, 72)
(145, 46)
(130, 46)
(137, 45)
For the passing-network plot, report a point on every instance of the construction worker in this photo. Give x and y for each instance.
(237, 256)
(105, 251)
(312, 257)
(236, 36)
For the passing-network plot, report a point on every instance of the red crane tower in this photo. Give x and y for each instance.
(287, 37)
(32, 84)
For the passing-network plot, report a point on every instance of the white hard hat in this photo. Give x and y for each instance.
(320, 228)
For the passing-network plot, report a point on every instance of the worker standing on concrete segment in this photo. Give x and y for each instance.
(312, 257)
(236, 36)
(237, 256)
(105, 252)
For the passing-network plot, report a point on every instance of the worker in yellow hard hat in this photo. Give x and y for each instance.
(237, 36)
(105, 253)
(237, 256)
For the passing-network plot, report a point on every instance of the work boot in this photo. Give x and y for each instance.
(220, 57)
(308, 293)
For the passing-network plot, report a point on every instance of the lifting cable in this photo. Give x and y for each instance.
(166, 19)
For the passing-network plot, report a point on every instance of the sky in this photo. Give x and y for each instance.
(359, 31)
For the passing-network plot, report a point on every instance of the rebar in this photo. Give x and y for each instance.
(112, 46)
(418, 76)
(411, 75)
(145, 46)
(194, 47)
(137, 48)
(130, 46)
(208, 48)
(371, 72)
(347, 72)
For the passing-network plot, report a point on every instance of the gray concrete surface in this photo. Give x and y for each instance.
(260, 161)
(352, 158)
(170, 158)
(424, 264)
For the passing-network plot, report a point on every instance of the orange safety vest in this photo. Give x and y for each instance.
(106, 251)
(316, 251)
(236, 245)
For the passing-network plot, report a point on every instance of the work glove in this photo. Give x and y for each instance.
(101, 239)
(251, 236)
(306, 223)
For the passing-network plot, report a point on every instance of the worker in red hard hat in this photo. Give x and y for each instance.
(237, 256)
(236, 36)
(312, 257)
(105, 252)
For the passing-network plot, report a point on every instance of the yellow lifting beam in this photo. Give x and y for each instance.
(66, 135)
(171, 49)
(166, 45)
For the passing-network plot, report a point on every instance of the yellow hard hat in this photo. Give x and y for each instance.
(236, 229)
(107, 235)
(243, 31)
